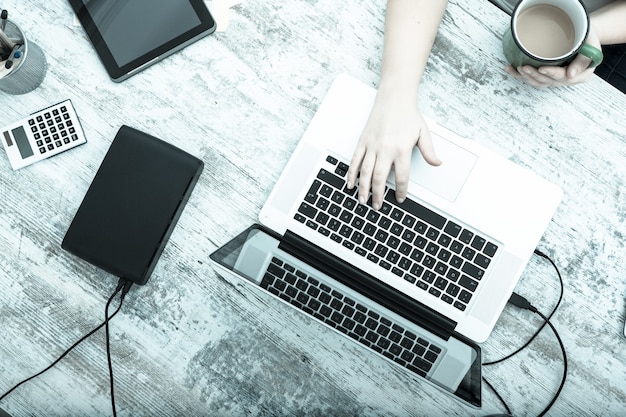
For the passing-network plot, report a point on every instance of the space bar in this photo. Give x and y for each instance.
(417, 210)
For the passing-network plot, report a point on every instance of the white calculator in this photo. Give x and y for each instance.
(43, 134)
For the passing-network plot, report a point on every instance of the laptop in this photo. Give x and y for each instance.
(420, 283)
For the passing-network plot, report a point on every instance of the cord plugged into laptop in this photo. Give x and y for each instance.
(521, 302)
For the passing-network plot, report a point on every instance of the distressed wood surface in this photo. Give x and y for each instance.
(192, 343)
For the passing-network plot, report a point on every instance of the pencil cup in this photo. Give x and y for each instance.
(28, 65)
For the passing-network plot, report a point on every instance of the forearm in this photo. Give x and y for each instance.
(410, 30)
(609, 23)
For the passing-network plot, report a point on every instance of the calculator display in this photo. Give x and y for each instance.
(22, 142)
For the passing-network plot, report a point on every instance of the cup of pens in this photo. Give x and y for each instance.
(22, 62)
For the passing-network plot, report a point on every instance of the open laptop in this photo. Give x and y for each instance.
(420, 283)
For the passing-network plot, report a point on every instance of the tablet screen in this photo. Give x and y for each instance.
(129, 34)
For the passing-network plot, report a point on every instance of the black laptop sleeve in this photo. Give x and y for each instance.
(132, 205)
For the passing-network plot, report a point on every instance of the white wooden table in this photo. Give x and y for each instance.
(190, 342)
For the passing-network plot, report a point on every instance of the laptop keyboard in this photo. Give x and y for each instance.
(350, 317)
(416, 244)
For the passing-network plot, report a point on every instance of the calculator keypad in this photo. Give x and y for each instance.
(53, 129)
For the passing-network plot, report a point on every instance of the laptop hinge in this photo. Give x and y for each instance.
(367, 285)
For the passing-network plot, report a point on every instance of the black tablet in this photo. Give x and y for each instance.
(130, 35)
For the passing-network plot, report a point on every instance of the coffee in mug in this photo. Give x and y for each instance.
(548, 32)
(545, 31)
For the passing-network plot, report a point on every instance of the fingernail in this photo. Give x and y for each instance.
(349, 184)
(400, 200)
(375, 206)
(361, 200)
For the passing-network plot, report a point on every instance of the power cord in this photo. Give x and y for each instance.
(123, 286)
(127, 285)
(508, 410)
(523, 303)
(556, 306)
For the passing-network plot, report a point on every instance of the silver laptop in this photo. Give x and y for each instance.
(419, 283)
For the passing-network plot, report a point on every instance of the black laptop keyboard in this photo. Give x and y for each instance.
(350, 317)
(416, 244)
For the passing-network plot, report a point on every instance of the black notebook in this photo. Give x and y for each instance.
(132, 205)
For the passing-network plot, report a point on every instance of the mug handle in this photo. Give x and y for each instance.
(592, 53)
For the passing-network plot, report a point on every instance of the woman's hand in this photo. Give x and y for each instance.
(393, 129)
(576, 72)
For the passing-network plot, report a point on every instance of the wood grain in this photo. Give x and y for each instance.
(190, 342)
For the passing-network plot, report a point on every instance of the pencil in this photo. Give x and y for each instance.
(7, 43)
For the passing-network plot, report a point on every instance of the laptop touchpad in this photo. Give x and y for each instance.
(447, 179)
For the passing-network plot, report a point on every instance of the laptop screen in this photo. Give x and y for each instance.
(453, 365)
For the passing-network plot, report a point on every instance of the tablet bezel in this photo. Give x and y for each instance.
(119, 73)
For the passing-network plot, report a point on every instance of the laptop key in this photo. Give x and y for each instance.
(468, 283)
(337, 197)
(384, 223)
(434, 292)
(456, 247)
(322, 218)
(350, 203)
(311, 195)
(408, 220)
(453, 289)
(373, 216)
(331, 179)
(478, 242)
(490, 249)
(453, 229)
(473, 270)
(341, 170)
(482, 261)
(422, 364)
(465, 296)
(468, 253)
(466, 236)
(417, 210)
(384, 264)
(308, 210)
(326, 190)
(276, 270)
(460, 306)
(332, 160)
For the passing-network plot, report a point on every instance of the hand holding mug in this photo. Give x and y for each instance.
(550, 43)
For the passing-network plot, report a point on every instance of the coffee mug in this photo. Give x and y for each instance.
(548, 32)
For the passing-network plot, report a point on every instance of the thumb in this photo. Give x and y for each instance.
(425, 145)
(578, 65)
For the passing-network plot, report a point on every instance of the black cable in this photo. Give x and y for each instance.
(558, 391)
(523, 303)
(556, 306)
(117, 290)
(127, 285)
(508, 410)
